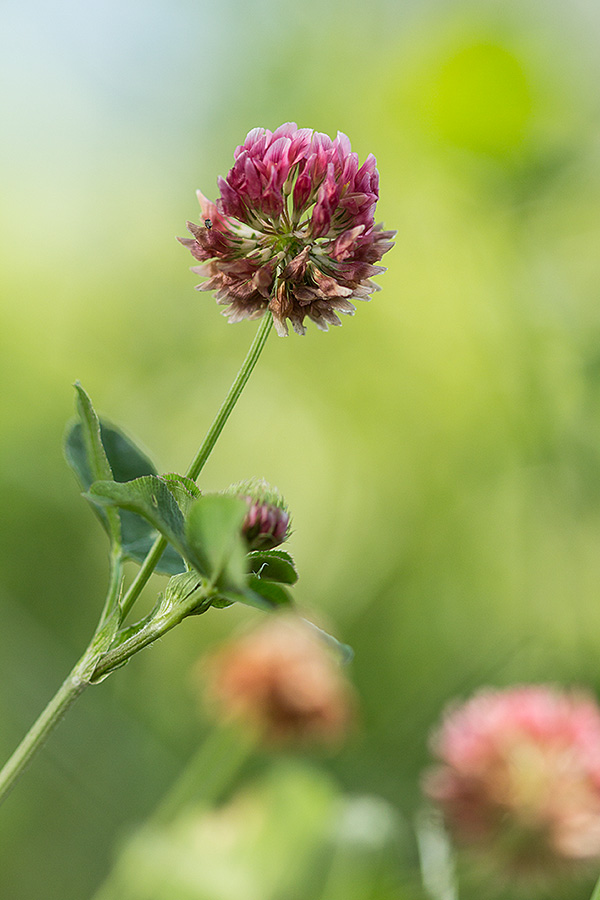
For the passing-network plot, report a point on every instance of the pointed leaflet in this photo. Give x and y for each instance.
(127, 462)
(95, 457)
(214, 537)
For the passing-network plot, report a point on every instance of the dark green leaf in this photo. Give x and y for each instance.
(274, 594)
(247, 597)
(273, 565)
(138, 538)
(127, 462)
(214, 538)
(95, 453)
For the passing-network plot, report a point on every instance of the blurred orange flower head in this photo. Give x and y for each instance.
(282, 680)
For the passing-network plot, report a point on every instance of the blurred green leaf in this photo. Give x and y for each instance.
(344, 651)
(213, 532)
(246, 597)
(273, 565)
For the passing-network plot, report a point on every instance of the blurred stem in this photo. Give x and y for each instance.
(435, 857)
(96, 661)
(204, 452)
(210, 770)
(208, 773)
(596, 894)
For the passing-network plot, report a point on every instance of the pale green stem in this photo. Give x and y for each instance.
(72, 687)
(596, 894)
(207, 774)
(203, 453)
(203, 781)
(232, 397)
(114, 586)
(80, 676)
(196, 601)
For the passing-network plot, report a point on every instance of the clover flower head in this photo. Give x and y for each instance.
(519, 777)
(267, 522)
(282, 681)
(293, 230)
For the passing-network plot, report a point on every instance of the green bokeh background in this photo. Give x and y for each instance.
(440, 452)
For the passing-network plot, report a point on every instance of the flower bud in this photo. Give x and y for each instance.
(519, 779)
(267, 521)
(281, 680)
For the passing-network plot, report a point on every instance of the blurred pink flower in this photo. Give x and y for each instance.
(281, 680)
(520, 776)
(293, 230)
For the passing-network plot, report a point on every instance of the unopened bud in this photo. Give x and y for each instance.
(267, 522)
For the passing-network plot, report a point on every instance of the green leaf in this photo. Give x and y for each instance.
(264, 595)
(180, 589)
(273, 565)
(214, 537)
(138, 538)
(96, 454)
(93, 456)
(183, 489)
(127, 463)
(148, 497)
(274, 594)
(245, 596)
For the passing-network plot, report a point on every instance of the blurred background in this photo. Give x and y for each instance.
(440, 452)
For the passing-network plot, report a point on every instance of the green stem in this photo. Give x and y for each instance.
(80, 676)
(202, 783)
(197, 464)
(232, 397)
(596, 894)
(156, 628)
(111, 603)
(207, 774)
(71, 688)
